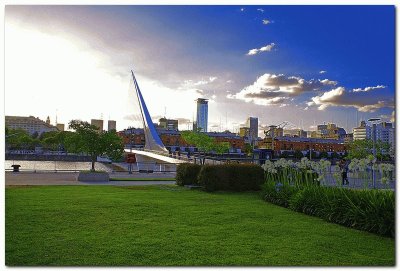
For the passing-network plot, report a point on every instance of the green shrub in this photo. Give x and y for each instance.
(368, 210)
(231, 177)
(279, 195)
(187, 174)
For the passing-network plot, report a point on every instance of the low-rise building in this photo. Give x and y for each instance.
(169, 124)
(30, 124)
(294, 133)
(172, 139)
(304, 144)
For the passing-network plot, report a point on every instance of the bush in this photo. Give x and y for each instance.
(187, 174)
(231, 177)
(368, 210)
(277, 194)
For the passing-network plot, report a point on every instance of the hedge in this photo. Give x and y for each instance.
(231, 177)
(186, 174)
(368, 210)
(277, 194)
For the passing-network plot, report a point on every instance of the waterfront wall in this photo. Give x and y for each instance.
(49, 157)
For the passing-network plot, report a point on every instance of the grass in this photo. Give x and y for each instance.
(169, 225)
(142, 179)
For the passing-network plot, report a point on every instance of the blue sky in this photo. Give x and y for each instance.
(303, 64)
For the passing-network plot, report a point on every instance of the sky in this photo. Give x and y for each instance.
(302, 64)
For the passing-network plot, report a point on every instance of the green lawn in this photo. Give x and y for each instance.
(169, 225)
(142, 179)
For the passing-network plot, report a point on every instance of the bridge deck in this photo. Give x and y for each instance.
(158, 156)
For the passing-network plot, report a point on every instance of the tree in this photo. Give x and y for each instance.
(284, 154)
(335, 155)
(323, 154)
(362, 148)
(19, 138)
(248, 149)
(298, 154)
(204, 142)
(88, 139)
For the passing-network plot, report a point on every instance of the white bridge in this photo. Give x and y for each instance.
(154, 152)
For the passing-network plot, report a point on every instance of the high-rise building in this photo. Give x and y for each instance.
(112, 125)
(97, 123)
(169, 124)
(384, 132)
(360, 132)
(252, 123)
(202, 114)
(60, 126)
(30, 124)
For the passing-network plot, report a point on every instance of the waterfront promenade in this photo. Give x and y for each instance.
(69, 178)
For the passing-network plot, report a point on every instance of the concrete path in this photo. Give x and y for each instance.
(51, 178)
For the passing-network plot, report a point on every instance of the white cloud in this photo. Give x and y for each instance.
(190, 83)
(242, 9)
(252, 52)
(260, 10)
(266, 48)
(265, 21)
(359, 100)
(322, 72)
(271, 89)
(368, 88)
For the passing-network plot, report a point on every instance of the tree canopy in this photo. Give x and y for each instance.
(362, 148)
(88, 139)
(204, 142)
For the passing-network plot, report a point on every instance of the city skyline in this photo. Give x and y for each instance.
(279, 63)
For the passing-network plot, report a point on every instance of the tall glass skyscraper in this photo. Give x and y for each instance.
(202, 114)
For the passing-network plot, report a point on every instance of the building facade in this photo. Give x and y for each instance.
(329, 131)
(305, 144)
(169, 124)
(97, 123)
(244, 131)
(294, 133)
(360, 132)
(172, 139)
(112, 125)
(202, 115)
(60, 127)
(29, 124)
(252, 123)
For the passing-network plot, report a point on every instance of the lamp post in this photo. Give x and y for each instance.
(373, 121)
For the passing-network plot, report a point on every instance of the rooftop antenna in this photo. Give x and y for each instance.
(56, 116)
(101, 116)
(165, 112)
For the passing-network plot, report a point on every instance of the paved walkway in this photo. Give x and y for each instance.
(61, 178)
